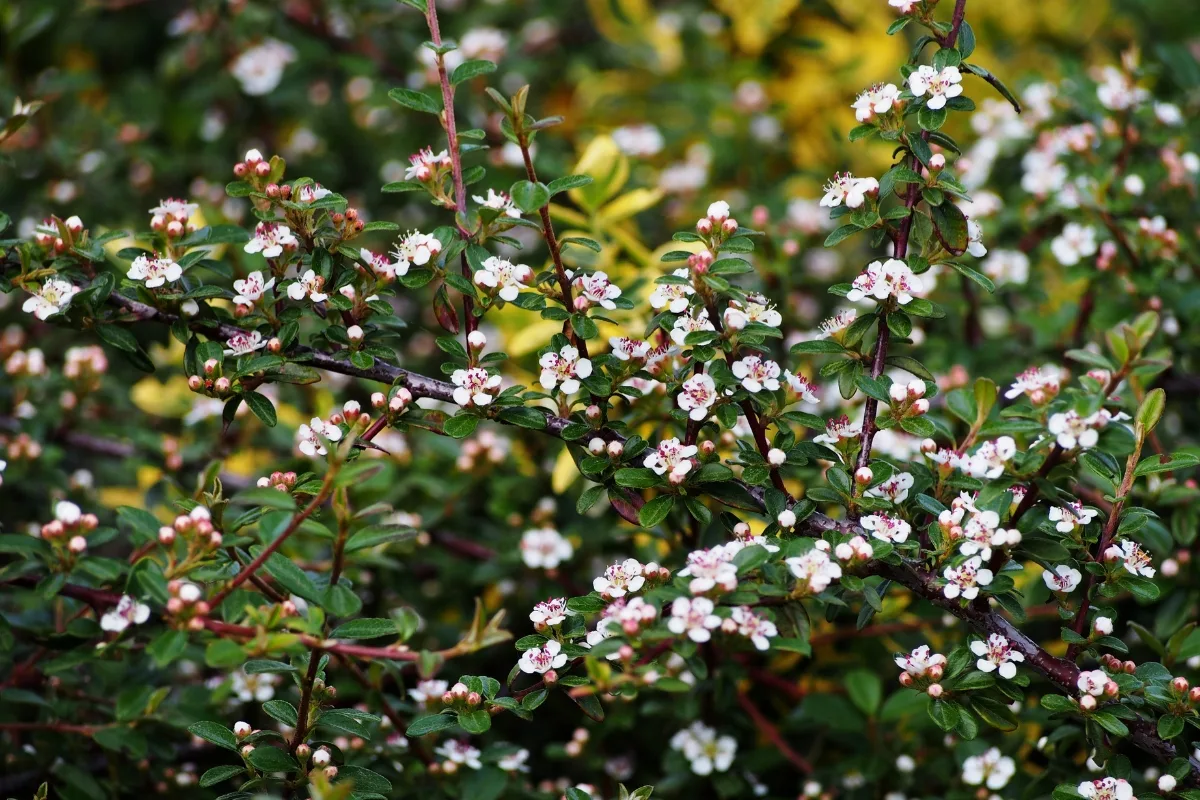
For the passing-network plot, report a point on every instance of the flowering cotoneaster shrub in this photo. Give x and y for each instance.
(686, 537)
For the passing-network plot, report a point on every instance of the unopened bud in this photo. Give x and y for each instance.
(596, 446)
(550, 678)
(274, 345)
(593, 413)
(473, 699)
(321, 756)
(776, 457)
(331, 772)
(708, 447)
(928, 446)
(729, 226)
(937, 162)
(355, 334)
(936, 671)
(906, 679)
(786, 519)
(78, 544)
(262, 169)
(272, 190)
(1180, 684)
(210, 366)
(243, 729)
(1194, 695)
(935, 690)
(222, 385)
(476, 340)
(1087, 702)
(195, 383)
(582, 303)
(921, 406)
(378, 400)
(704, 226)
(166, 535)
(863, 476)
(1111, 689)
(615, 449)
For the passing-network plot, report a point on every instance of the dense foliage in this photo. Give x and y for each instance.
(448, 484)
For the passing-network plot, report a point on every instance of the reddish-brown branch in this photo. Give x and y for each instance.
(767, 729)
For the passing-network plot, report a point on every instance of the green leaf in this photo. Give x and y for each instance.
(219, 774)
(365, 629)
(261, 665)
(460, 427)
(422, 726)
(272, 759)
(1151, 409)
(365, 781)
(587, 604)
(264, 496)
(471, 69)
(865, 690)
(841, 234)
(1169, 726)
(951, 227)
(417, 101)
(263, 408)
(529, 196)
(118, 337)
(636, 478)
(478, 721)
(524, 416)
(281, 710)
(975, 275)
(216, 733)
(1109, 722)
(656, 510)
(996, 83)
(568, 182)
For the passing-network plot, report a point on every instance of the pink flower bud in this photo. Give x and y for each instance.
(916, 388)
(1180, 684)
(195, 383)
(222, 385)
(243, 729)
(935, 690)
(937, 162)
(378, 400)
(593, 413)
(920, 407)
(929, 446)
(863, 476)
(615, 449)
(240, 169)
(210, 366)
(166, 535)
(78, 544)
(596, 446)
(582, 303)
(625, 653)
(1087, 703)
(704, 226)
(262, 169)
(906, 679)
(550, 678)
(936, 671)
(708, 447)
(355, 334)
(729, 226)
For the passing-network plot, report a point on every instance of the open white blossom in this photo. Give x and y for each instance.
(712, 568)
(241, 344)
(498, 201)
(474, 386)
(563, 369)
(990, 768)
(51, 298)
(1106, 789)
(257, 688)
(800, 386)
(270, 238)
(919, 661)
(1040, 384)
(894, 488)
(704, 750)
(685, 324)
(620, 578)
(308, 437)
(1063, 578)
(755, 309)
(886, 527)
(1133, 558)
(507, 278)
(671, 456)
(814, 570)
(627, 349)
(310, 285)
(1092, 682)
(697, 396)
(837, 430)
(693, 616)
(883, 280)
(674, 297)
(1069, 517)
(598, 289)
(550, 612)
(1075, 243)
(757, 374)
(428, 691)
(154, 270)
(965, 579)
(544, 548)
(127, 612)
(415, 249)
(996, 655)
(878, 99)
(758, 629)
(460, 752)
(541, 660)
(250, 289)
(845, 188)
(259, 69)
(940, 85)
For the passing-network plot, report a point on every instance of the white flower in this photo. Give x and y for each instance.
(67, 512)
(992, 768)
(903, 6)
(882, 280)
(965, 579)
(1075, 243)
(697, 396)
(415, 248)
(1106, 789)
(685, 324)
(241, 344)
(1103, 626)
(706, 752)
(638, 140)
(171, 209)
(1007, 266)
(712, 568)
(996, 654)
(1063, 579)
(757, 374)
(625, 348)
(514, 762)
(498, 201)
(718, 211)
(542, 659)
(259, 69)
(814, 569)
(894, 488)
(270, 238)
(598, 289)
(1131, 555)
(1092, 682)
(425, 163)
(311, 193)
(1039, 383)
(940, 85)
(258, 688)
(670, 456)
(428, 691)
(564, 367)
(474, 386)
(308, 436)
(857, 549)
(673, 296)
(837, 323)
(549, 612)
(838, 429)
(757, 629)
(886, 527)
(310, 285)
(918, 662)
(975, 239)
(694, 617)
(504, 276)
(379, 264)
(878, 99)
(801, 387)
(251, 289)
(990, 459)
(620, 578)
(756, 309)
(1118, 92)
(459, 752)
(127, 611)
(1069, 517)
(53, 296)
(845, 188)
(544, 548)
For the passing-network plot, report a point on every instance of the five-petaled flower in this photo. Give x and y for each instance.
(549, 612)
(845, 188)
(670, 456)
(270, 239)
(241, 344)
(1106, 789)
(459, 752)
(415, 249)
(474, 386)
(597, 289)
(499, 202)
(542, 659)
(919, 661)
(878, 99)
(51, 298)
(309, 437)
(697, 396)
(380, 265)
(814, 570)
(756, 308)
(801, 387)
(563, 369)
(693, 616)
(758, 629)
(620, 578)
(310, 285)
(627, 349)
(503, 277)
(990, 768)
(544, 548)
(154, 270)
(883, 280)
(996, 655)
(757, 374)
(705, 751)
(1092, 682)
(127, 612)
(1063, 578)
(251, 288)
(886, 527)
(673, 296)
(1075, 243)
(940, 85)
(1133, 558)
(965, 579)
(1069, 517)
